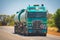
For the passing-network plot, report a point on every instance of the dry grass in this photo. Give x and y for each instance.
(53, 31)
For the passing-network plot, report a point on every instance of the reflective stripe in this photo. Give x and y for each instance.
(20, 13)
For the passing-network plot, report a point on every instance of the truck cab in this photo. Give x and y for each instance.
(37, 20)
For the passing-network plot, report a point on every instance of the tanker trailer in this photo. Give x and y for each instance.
(20, 22)
(31, 21)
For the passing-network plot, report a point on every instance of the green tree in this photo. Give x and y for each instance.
(49, 15)
(50, 20)
(57, 19)
(12, 20)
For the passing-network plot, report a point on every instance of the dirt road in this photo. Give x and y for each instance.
(7, 33)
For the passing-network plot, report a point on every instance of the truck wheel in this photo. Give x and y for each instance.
(44, 34)
(15, 29)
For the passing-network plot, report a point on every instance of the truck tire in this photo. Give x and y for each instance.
(15, 30)
(44, 34)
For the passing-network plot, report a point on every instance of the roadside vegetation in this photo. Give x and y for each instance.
(7, 20)
(54, 20)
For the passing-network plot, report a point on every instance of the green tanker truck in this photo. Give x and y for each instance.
(31, 21)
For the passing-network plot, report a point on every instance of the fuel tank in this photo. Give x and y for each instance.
(20, 17)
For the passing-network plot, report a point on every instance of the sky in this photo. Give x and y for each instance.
(10, 7)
